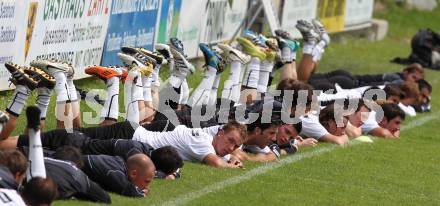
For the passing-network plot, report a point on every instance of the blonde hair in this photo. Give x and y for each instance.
(235, 125)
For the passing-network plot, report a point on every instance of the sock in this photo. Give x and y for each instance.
(111, 105)
(19, 98)
(201, 95)
(131, 105)
(61, 88)
(73, 94)
(233, 81)
(43, 100)
(175, 81)
(155, 80)
(184, 93)
(317, 53)
(252, 73)
(326, 39)
(146, 88)
(308, 48)
(265, 70)
(236, 89)
(214, 89)
(36, 159)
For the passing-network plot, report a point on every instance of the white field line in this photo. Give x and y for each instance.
(185, 198)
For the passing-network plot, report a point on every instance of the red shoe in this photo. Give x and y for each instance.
(103, 73)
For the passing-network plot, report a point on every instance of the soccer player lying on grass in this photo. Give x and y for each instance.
(388, 126)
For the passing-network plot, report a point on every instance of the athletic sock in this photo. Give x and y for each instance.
(233, 81)
(111, 105)
(317, 52)
(36, 158)
(19, 98)
(43, 100)
(214, 89)
(61, 88)
(155, 80)
(265, 70)
(146, 88)
(73, 94)
(184, 93)
(131, 105)
(201, 95)
(252, 73)
(308, 48)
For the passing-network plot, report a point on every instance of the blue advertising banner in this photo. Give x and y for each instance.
(169, 20)
(132, 23)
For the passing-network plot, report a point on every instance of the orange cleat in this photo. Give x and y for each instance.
(103, 73)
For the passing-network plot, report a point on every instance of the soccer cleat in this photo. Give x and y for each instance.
(257, 39)
(307, 30)
(319, 28)
(137, 59)
(18, 77)
(270, 55)
(180, 62)
(283, 34)
(233, 54)
(250, 49)
(3, 120)
(103, 73)
(272, 44)
(211, 57)
(44, 79)
(159, 59)
(164, 50)
(291, 44)
(52, 66)
(176, 45)
(147, 70)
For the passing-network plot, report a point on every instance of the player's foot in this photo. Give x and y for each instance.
(250, 48)
(104, 73)
(212, 58)
(159, 59)
(44, 79)
(52, 66)
(18, 77)
(320, 29)
(164, 50)
(256, 38)
(270, 55)
(180, 62)
(147, 70)
(283, 34)
(3, 119)
(234, 54)
(136, 60)
(307, 31)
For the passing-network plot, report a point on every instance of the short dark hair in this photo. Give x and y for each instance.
(327, 114)
(392, 110)
(71, 154)
(39, 191)
(166, 159)
(296, 86)
(424, 84)
(415, 67)
(14, 160)
(393, 90)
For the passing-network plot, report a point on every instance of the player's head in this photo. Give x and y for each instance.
(39, 191)
(16, 162)
(287, 132)
(394, 93)
(393, 117)
(296, 90)
(262, 132)
(355, 118)
(411, 93)
(229, 138)
(425, 90)
(71, 154)
(413, 72)
(327, 117)
(166, 159)
(141, 170)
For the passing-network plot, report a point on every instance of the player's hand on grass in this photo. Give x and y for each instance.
(309, 142)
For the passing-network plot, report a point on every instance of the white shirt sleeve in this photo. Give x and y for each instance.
(370, 123)
(311, 127)
(10, 198)
(409, 110)
(200, 145)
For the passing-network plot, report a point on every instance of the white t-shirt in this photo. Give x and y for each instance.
(370, 123)
(409, 110)
(311, 127)
(10, 198)
(256, 149)
(192, 144)
(354, 93)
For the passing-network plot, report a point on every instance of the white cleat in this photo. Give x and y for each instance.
(234, 54)
(52, 66)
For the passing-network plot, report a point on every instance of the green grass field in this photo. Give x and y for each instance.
(400, 172)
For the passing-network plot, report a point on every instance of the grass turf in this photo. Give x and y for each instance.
(402, 172)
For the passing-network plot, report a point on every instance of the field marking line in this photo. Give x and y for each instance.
(185, 198)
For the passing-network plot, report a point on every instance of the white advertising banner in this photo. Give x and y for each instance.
(73, 31)
(297, 9)
(13, 21)
(223, 18)
(190, 25)
(358, 14)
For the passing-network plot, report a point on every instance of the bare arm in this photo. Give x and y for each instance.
(215, 161)
(339, 140)
(353, 131)
(381, 132)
